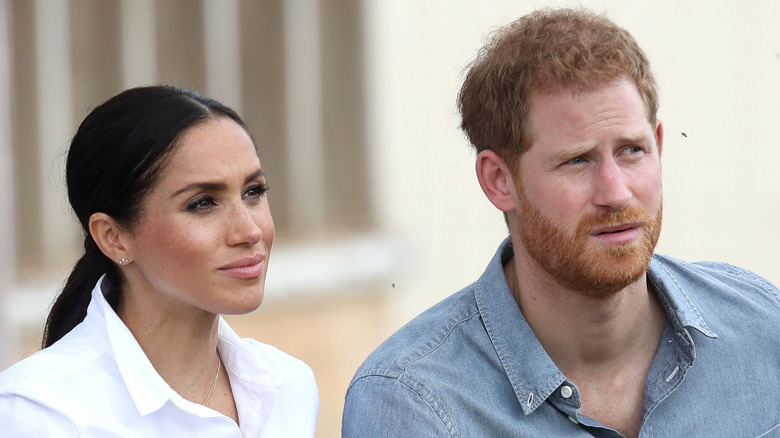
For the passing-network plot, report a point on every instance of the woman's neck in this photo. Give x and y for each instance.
(181, 343)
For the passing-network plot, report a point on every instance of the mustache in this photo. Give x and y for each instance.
(612, 218)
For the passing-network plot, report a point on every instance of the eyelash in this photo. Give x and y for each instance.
(197, 204)
(579, 160)
(260, 189)
(633, 149)
(207, 202)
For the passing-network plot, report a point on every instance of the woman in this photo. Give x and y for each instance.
(169, 190)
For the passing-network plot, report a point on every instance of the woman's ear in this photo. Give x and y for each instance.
(496, 180)
(109, 237)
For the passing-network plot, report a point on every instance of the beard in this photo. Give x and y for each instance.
(576, 261)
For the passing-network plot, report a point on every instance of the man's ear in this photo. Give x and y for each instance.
(109, 237)
(496, 180)
(659, 135)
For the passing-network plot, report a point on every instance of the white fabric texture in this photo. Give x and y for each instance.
(97, 382)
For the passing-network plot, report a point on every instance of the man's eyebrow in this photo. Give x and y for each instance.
(638, 138)
(574, 152)
(583, 149)
(215, 186)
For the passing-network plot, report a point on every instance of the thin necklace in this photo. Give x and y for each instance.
(213, 385)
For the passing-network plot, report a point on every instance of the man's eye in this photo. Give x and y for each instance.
(578, 160)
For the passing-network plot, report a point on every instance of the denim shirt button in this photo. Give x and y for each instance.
(574, 420)
(566, 391)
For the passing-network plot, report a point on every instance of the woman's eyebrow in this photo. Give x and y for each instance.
(213, 185)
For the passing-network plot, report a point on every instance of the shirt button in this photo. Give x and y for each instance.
(566, 391)
(574, 420)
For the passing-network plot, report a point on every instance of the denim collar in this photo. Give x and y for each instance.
(679, 305)
(530, 370)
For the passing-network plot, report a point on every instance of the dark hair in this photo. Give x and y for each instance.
(114, 160)
(545, 51)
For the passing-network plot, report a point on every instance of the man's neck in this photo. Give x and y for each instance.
(579, 331)
(604, 346)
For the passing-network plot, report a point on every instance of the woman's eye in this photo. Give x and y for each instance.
(256, 191)
(201, 204)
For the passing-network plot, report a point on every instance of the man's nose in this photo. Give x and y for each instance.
(611, 186)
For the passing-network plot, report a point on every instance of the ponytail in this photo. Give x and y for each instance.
(70, 307)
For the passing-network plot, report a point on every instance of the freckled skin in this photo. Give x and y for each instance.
(205, 212)
(595, 163)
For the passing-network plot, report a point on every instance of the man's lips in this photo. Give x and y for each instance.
(618, 234)
(245, 268)
(616, 228)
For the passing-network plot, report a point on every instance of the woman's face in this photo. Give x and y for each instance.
(206, 231)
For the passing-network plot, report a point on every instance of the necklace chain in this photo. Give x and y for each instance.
(213, 385)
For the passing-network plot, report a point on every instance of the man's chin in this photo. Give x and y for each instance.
(606, 273)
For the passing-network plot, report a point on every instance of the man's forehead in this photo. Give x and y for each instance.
(561, 96)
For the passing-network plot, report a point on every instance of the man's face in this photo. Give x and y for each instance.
(589, 189)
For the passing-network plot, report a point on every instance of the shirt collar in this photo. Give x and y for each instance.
(148, 390)
(253, 380)
(531, 371)
(244, 362)
(671, 288)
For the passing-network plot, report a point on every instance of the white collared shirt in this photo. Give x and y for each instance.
(97, 382)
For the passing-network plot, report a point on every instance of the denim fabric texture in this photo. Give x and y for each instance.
(472, 367)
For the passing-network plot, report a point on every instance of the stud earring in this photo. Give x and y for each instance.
(124, 261)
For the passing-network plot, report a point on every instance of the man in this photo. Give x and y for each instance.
(576, 328)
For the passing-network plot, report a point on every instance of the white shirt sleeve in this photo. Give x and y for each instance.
(22, 417)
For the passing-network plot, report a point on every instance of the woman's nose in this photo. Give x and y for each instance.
(243, 228)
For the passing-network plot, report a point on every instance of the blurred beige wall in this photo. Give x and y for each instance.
(718, 68)
(374, 192)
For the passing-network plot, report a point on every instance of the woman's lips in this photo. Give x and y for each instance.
(246, 268)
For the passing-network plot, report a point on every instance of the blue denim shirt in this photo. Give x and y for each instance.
(472, 367)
